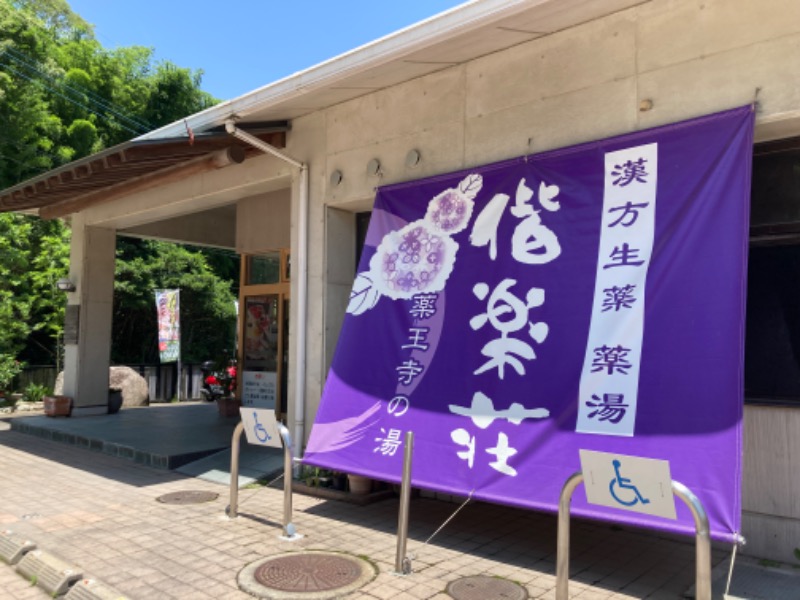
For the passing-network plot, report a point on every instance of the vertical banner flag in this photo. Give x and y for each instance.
(589, 299)
(169, 325)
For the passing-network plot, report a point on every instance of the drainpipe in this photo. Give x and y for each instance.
(300, 274)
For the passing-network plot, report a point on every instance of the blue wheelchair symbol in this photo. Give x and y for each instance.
(260, 430)
(623, 483)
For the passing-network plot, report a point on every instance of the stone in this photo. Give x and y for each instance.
(132, 385)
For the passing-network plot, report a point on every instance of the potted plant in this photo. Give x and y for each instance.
(114, 400)
(57, 406)
(359, 484)
(339, 481)
(228, 406)
(319, 478)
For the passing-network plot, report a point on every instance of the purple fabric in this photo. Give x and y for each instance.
(690, 389)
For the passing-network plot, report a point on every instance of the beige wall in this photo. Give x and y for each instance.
(771, 482)
(263, 222)
(92, 257)
(215, 227)
(688, 57)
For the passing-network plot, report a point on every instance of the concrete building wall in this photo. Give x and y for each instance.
(215, 228)
(263, 222)
(657, 63)
(92, 257)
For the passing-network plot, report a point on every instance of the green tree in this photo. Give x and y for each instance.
(175, 94)
(62, 97)
(207, 309)
(15, 302)
(34, 254)
(49, 262)
(24, 149)
(82, 136)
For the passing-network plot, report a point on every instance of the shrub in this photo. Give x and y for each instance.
(9, 368)
(35, 392)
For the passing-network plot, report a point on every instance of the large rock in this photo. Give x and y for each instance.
(133, 386)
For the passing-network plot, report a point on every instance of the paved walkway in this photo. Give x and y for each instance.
(165, 436)
(100, 513)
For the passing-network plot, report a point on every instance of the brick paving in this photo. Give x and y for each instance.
(100, 514)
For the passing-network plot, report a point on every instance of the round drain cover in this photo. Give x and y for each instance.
(306, 575)
(481, 587)
(188, 497)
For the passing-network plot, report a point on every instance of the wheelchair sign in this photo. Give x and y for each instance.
(633, 483)
(261, 427)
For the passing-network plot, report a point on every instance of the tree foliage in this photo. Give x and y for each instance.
(34, 255)
(62, 97)
(207, 308)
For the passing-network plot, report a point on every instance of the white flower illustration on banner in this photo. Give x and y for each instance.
(413, 260)
(418, 258)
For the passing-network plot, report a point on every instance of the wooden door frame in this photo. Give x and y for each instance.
(282, 289)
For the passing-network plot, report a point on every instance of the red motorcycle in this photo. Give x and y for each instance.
(218, 384)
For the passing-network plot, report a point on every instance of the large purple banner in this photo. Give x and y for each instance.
(586, 299)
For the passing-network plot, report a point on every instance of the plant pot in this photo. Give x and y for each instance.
(114, 401)
(228, 407)
(339, 482)
(57, 406)
(359, 484)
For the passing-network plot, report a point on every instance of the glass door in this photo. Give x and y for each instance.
(264, 322)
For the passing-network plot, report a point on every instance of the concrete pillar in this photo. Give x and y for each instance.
(87, 358)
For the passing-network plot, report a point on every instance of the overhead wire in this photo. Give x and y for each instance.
(56, 160)
(108, 106)
(39, 80)
(65, 97)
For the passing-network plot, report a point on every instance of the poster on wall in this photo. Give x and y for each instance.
(259, 389)
(584, 299)
(261, 333)
(169, 325)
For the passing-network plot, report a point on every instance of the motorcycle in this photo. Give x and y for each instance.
(218, 384)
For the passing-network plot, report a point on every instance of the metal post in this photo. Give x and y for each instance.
(233, 505)
(401, 564)
(702, 584)
(178, 393)
(288, 462)
(562, 545)
(702, 539)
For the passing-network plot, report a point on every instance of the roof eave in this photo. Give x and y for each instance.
(431, 31)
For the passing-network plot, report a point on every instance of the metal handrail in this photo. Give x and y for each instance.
(402, 564)
(702, 538)
(288, 461)
(233, 504)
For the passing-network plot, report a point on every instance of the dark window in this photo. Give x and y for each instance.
(772, 344)
(362, 224)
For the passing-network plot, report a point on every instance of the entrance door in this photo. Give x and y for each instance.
(264, 330)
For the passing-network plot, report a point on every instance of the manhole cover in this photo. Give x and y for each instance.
(187, 497)
(306, 575)
(481, 587)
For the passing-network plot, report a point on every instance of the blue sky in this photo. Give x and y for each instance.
(243, 44)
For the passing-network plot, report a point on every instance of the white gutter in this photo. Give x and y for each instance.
(460, 19)
(300, 276)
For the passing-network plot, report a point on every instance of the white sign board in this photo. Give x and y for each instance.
(642, 485)
(259, 389)
(261, 427)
